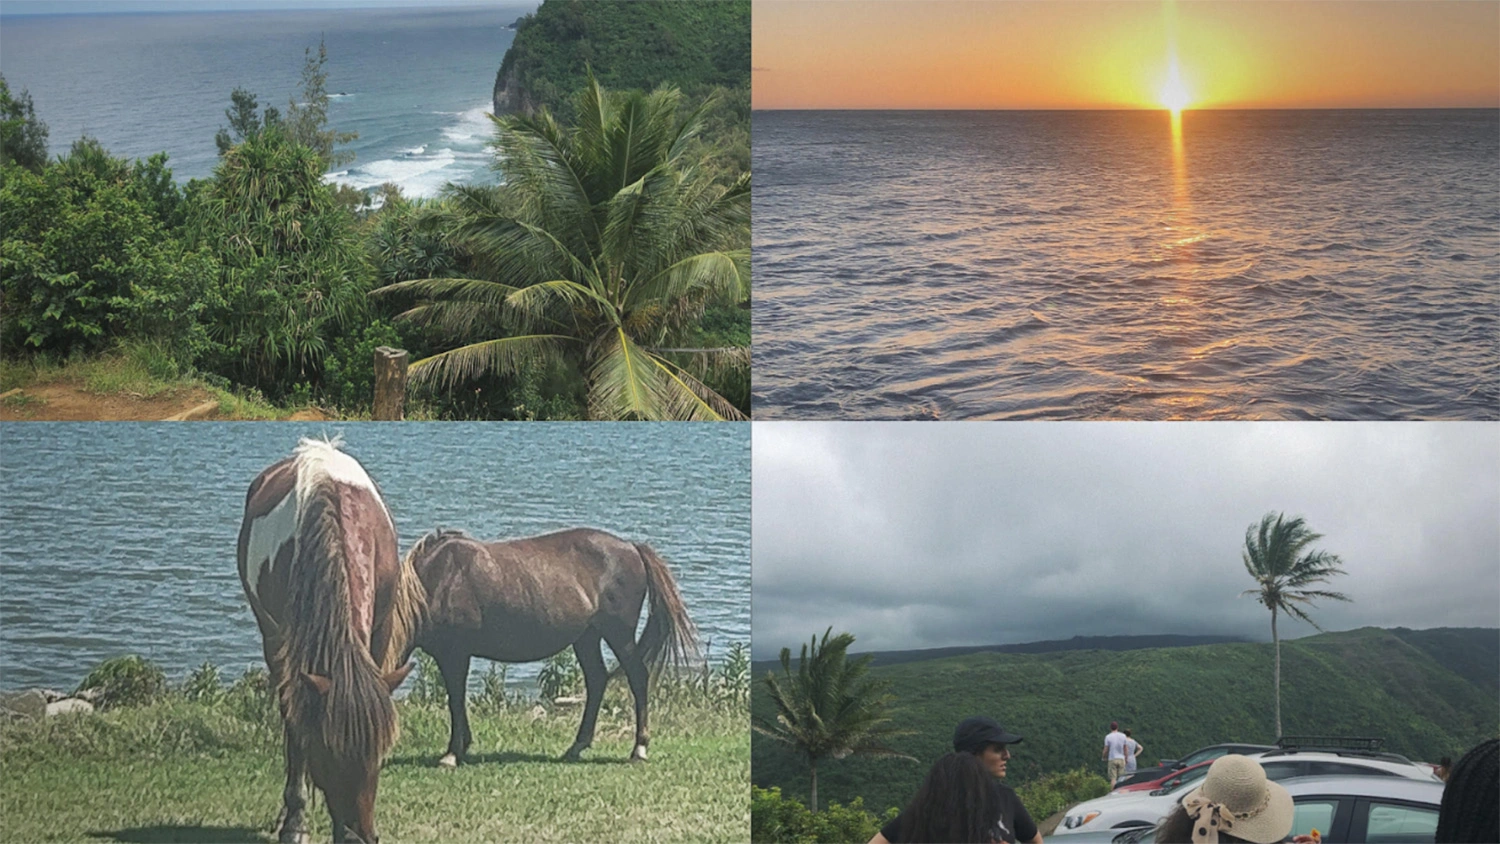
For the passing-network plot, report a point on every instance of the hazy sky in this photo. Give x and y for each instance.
(914, 535)
(939, 54)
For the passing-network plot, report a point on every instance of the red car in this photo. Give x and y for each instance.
(1191, 772)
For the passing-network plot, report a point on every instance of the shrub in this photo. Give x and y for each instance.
(1052, 793)
(250, 698)
(203, 684)
(125, 681)
(560, 676)
(427, 687)
(774, 818)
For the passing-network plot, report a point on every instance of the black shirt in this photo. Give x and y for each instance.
(1014, 823)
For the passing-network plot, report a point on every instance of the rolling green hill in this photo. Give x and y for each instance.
(1358, 682)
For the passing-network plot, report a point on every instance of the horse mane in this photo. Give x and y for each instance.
(429, 543)
(322, 640)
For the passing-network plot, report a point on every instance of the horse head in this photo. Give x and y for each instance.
(346, 726)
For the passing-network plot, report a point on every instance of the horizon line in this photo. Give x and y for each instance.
(1242, 639)
(1495, 107)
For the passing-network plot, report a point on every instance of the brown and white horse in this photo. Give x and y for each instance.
(337, 608)
(526, 599)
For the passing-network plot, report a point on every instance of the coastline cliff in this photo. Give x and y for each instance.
(629, 44)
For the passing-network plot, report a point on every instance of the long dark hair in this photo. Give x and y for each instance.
(1469, 811)
(1177, 828)
(958, 802)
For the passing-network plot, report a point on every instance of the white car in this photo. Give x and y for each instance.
(1119, 810)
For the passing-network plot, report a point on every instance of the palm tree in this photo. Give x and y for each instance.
(1276, 556)
(830, 708)
(601, 251)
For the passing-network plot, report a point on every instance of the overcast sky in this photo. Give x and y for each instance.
(915, 535)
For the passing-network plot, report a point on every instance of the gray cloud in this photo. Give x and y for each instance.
(924, 535)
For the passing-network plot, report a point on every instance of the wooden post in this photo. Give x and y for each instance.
(390, 384)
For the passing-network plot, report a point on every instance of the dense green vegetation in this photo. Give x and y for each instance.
(202, 761)
(1358, 682)
(258, 279)
(702, 49)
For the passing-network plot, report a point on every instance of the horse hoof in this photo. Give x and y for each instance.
(639, 754)
(574, 754)
(293, 836)
(449, 761)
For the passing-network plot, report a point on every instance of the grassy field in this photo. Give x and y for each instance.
(183, 771)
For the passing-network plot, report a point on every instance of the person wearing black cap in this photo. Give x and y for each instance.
(990, 743)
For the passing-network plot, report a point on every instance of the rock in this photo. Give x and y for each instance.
(53, 696)
(69, 706)
(31, 703)
(568, 701)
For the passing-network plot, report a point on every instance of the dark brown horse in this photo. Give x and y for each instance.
(337, 609)
(526, 599)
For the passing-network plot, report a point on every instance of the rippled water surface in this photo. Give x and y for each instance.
(1262, 265)
(120, 538)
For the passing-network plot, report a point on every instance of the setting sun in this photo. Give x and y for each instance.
(1174, 94)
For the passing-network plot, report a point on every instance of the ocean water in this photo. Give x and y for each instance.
(415, 84)
(120, 537)
(1097, 265)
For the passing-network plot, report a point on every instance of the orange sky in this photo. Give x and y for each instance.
(1080, 54)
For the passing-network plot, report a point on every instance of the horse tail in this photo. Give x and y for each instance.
(670, 637)
(321, 640)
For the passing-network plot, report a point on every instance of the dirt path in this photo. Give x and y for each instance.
(69, 403)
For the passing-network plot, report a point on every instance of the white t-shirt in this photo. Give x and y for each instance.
(1131, 745)
(1115, 741)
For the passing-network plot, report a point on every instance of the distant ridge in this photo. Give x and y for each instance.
(1077, 643)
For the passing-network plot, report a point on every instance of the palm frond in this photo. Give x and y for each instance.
(505, 356)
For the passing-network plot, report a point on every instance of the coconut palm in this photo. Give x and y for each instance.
(829, 708)
(601, 250)
(1276, 555)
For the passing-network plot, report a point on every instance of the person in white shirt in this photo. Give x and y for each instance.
(1114, 753)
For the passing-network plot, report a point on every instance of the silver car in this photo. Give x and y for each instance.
(1379, 810)
(1118, 810)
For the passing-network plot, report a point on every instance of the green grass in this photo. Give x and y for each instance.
(182, 771)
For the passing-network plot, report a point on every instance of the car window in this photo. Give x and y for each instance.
(1203, 756)
(1347, 770)
(1390, 823)
(1183, 781)
(1282, 770)
(1316, 813)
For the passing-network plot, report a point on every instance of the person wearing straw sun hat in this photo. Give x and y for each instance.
(1235, 803)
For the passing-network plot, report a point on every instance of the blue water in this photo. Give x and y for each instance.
(1084, 265)
(415, 84)
(120, 537)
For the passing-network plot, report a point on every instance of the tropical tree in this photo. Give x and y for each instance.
(600, 252)
(1277, 556)
(23, 138)
(829, 708)
(293, 277)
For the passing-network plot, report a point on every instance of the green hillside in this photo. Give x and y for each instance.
(696, 46)
(1360, 682)
(1470, 652)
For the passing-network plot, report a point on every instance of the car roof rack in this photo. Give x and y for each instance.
(1329, 743)
(1368, 748)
